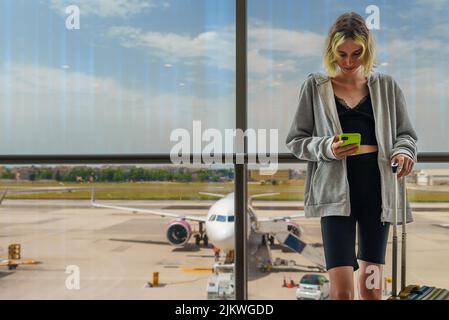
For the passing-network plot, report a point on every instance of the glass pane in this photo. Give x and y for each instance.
(286, 43)
(274, 261)
(114, 76)
(97, 232)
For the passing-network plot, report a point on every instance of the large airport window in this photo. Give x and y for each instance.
(129, 78)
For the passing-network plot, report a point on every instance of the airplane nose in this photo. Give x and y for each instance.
(221, 235)
(222, 239)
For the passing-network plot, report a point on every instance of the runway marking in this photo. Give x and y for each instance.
(204, 269)
(120, 249)
(191, 268)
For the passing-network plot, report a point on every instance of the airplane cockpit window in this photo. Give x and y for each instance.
(221, 218)
(230, 218)
(212, 217)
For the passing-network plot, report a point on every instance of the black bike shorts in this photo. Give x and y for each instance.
(339, 232)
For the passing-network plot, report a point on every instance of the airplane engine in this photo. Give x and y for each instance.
(179, 232)
(294, 228)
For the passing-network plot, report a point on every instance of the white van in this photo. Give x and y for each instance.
(313, 287)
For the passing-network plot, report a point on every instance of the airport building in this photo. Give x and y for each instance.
(432, 177)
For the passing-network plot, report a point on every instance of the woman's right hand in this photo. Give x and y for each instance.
(341, 153)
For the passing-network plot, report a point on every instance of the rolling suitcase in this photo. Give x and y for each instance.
(410, 292)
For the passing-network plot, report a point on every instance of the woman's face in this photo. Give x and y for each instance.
(350, 53)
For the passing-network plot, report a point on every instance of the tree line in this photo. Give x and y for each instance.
(119, 174)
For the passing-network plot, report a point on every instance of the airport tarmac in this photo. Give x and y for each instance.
(117, 252)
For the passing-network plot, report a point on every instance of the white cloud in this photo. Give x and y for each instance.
(279, 50)
(423, 49)
(50, 110)
(107, 8)
(217, 48)
(403, 47)
(434, 4)
(297, 44)
(440, 29)
(210, 47)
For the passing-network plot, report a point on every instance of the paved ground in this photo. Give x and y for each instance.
(117, 252)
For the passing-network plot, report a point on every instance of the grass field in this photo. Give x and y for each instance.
(292, 190)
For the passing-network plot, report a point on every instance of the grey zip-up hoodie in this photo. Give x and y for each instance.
(312, 132)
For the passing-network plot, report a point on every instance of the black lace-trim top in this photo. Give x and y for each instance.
(359, 118)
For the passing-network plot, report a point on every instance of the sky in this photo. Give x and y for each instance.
(138, 69)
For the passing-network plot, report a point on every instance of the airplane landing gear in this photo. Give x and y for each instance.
(269, 238)
(199, 238)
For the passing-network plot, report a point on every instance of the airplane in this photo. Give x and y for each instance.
(218, 226)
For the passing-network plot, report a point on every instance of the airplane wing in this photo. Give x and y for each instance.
(274, 219)
(217, 195)
(152, 212)
(290, 217)
(262, 195)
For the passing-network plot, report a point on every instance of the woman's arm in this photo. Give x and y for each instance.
(406, 137)
(299, 139)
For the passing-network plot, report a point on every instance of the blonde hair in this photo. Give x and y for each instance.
(349, 26)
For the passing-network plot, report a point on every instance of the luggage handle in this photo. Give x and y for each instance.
(394, 168)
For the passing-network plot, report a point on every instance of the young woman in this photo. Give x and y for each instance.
(352, 188)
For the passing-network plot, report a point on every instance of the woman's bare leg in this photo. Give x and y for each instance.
(341, 283)
(370, 281)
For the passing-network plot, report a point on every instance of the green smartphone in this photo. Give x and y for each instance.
(350, 138)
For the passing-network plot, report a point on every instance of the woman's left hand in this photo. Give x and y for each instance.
(405, 164)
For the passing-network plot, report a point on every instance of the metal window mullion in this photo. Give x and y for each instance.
(241, 170)
(161, 158)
